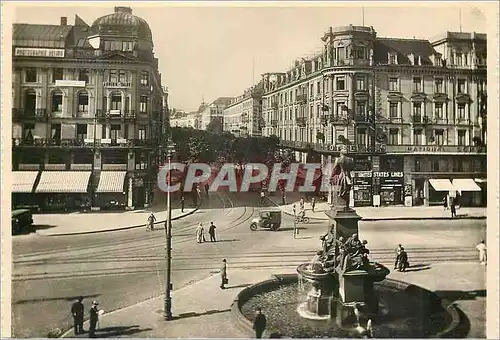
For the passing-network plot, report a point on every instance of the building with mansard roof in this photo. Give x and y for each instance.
(411, 112)
(88, 113)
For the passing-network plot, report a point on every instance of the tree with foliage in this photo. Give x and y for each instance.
(215, 126)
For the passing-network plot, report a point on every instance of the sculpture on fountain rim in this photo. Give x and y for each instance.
(341, 176)
(347, 256)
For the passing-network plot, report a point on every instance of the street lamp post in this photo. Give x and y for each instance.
(168, 231)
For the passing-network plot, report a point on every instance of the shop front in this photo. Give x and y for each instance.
(362, 188)
(390, 186)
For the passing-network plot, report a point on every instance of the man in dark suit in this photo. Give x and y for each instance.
(211, 232)
(77, 312)
(259, 325)
(94, 318)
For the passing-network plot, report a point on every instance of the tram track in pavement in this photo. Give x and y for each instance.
(113, 255)
(254, 260)
(98, 246)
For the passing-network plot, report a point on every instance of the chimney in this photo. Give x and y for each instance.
(64, 21)
(122, 9)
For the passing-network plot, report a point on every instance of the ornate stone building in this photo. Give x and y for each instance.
(88, 113)
(243, 117)
(411, 112)
(213, 111)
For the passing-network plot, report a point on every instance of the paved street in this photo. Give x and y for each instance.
(125, 267)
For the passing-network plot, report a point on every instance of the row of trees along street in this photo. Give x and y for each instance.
(215, 146)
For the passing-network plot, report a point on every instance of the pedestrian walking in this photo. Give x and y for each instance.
(199, 234)
(313, 204)
(283, 196)
(182, 203)
(211, 232)
(481, 247)
(302, 204)
(77, 310)
(259, 324)
(151, 222)
(398, 251)
(453, 208)
(445, 202)
(403, 260)
(223, 274)
(94, 318)
(262, 197)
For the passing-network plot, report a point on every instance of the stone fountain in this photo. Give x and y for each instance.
(345, 291)
(342, 276)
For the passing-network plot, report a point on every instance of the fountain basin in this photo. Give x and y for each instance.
(407, 311)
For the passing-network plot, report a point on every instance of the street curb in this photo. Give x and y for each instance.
(86, 321)
(372, 219)
(121, 228)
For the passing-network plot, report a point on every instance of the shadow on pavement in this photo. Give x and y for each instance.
(455, 295)
(196, 314)
(418, 267)
(34, 228)
(291, 228)
(68, 298)
(111, 332)
(239, 286)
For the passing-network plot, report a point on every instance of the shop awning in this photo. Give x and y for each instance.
(465, 184)
(441, 184)
(111, 181)
(23, 181)
(63, 182)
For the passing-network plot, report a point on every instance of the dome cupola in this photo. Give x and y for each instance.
(122, 23)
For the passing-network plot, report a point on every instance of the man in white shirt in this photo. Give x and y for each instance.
(481, 247)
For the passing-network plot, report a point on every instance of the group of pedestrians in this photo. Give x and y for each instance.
(78, 312)
(401, 263)
(200, 233)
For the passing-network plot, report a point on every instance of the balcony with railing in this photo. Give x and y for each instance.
(301, 98)
(29, 114)
(421, 119)
(301, 121)
(274, 123)
(274, 105)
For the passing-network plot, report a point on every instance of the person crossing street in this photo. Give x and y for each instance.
(94, 318)
(211, 232)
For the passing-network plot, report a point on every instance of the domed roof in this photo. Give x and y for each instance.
(124, 21)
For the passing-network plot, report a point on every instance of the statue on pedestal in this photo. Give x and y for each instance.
(355, 256)
(342, 175)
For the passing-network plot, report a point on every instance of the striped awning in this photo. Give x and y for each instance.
(64, 182)
(111, 181)
(23, 181)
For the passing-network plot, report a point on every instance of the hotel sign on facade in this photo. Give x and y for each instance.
(39, 52)
(405, 149)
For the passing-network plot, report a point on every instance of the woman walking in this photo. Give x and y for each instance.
(199, 234)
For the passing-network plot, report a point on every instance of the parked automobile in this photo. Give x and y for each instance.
(22, 220)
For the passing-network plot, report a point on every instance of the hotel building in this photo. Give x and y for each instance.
(411, 112)
(243, 117)
(88, 113)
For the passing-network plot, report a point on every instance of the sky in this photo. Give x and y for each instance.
(216, 50)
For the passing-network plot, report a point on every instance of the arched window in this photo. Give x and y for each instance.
(57, 101)
(83, 102)
(30, 102)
